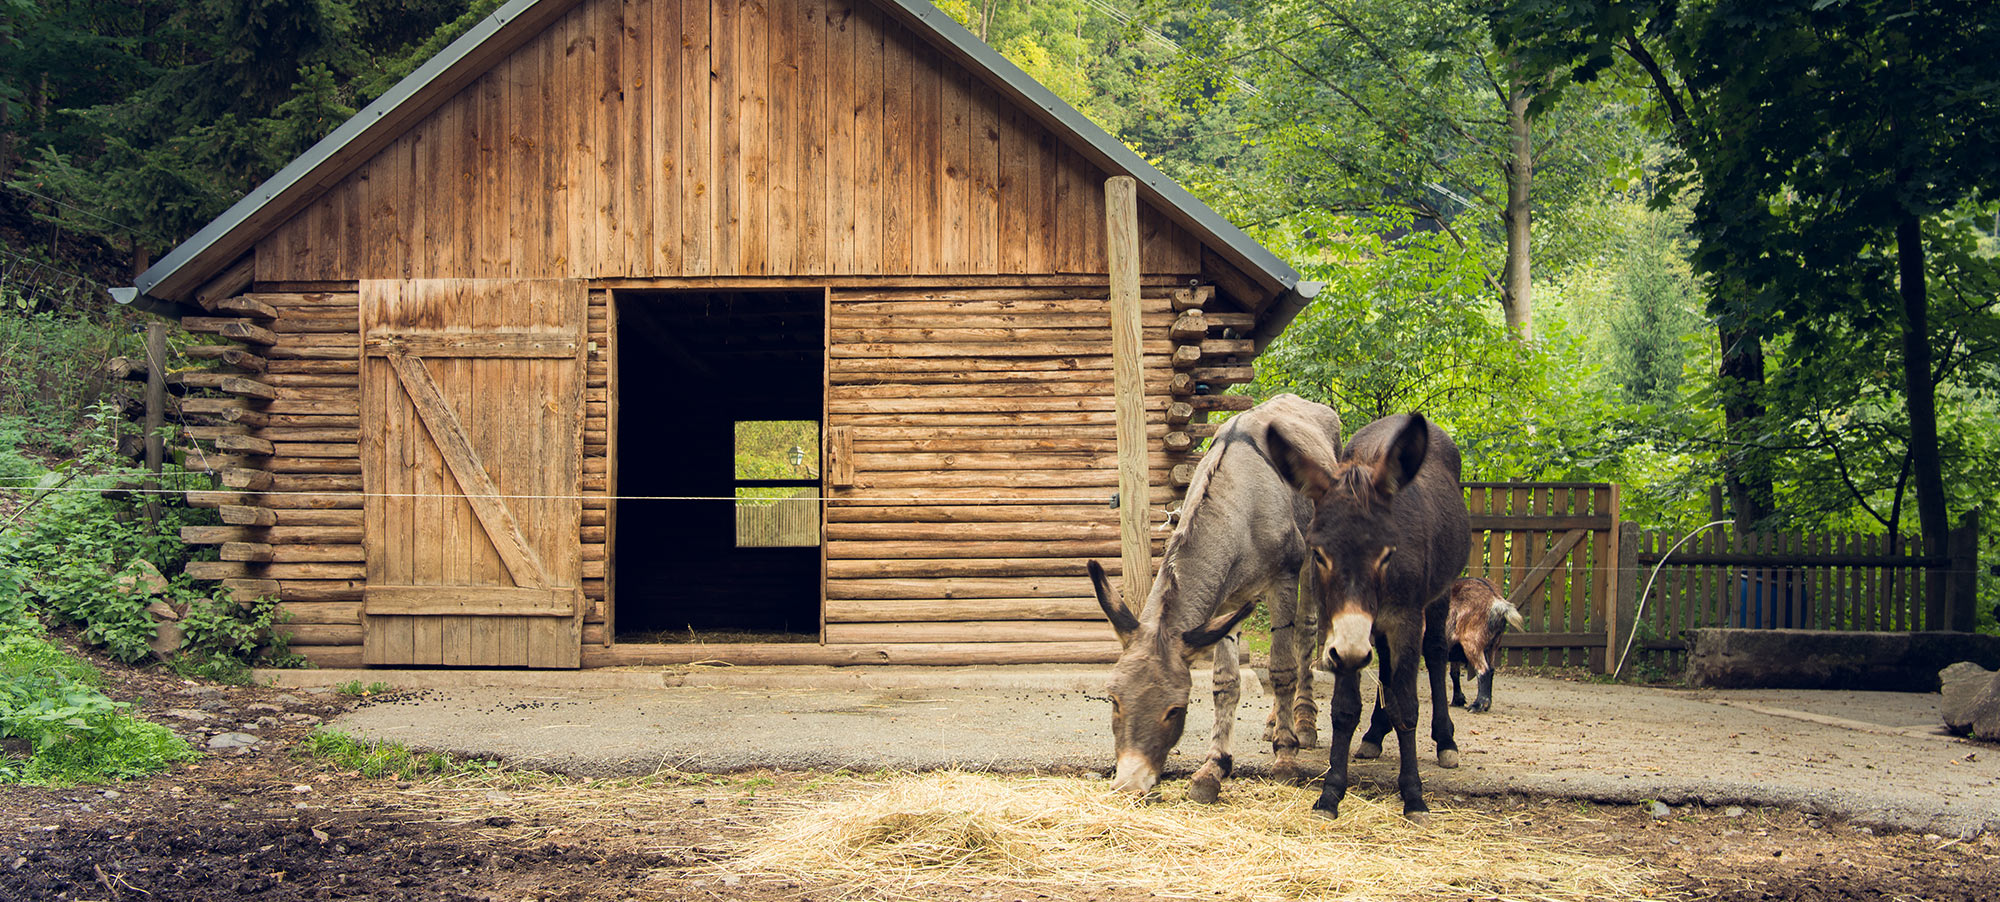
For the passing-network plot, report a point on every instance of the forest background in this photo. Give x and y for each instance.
(1741, 257)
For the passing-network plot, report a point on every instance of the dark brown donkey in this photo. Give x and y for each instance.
(1387, 538)
(1239, 541)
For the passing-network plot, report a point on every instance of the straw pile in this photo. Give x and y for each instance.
(893, 839)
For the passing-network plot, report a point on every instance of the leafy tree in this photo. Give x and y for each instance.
(1369, 105)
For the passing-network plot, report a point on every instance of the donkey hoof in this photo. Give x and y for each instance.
(1205, 788)
(1447, 757)
(1420, 818)
(1308, 736)
(1368, 750)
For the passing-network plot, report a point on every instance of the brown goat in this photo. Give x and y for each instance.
(1478, 616)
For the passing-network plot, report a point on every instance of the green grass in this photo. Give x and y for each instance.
(76, 733)
(383, 758)
(355, 689)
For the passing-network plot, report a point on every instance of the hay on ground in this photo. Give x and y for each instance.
(896, 837)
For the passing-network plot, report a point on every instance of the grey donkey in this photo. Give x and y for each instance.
(1240, 540)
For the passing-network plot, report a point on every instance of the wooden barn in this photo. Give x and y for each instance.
(487, 361)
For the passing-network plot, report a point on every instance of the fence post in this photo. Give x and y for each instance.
(156, 413)
(1962, 579)
(1624, 601)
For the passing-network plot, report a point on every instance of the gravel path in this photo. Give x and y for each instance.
(1876, 758)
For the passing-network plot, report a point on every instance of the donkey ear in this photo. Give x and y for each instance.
(1406, 455)
(1107, 598)
(1305, 475)
(1217, 627)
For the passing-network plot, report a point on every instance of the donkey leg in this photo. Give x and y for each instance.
(1206, 785)
(1305, 714)
(1285, 667)
(1457, 694)
(1379, 722)
(1399, 687)
(1345, 708)
(1434, 644)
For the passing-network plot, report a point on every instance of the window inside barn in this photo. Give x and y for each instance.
(777, 483)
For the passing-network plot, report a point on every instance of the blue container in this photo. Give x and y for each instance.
(1782, 587)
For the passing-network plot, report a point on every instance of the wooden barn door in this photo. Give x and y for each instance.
(472, 460)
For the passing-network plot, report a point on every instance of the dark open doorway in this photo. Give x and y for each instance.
(720, 397)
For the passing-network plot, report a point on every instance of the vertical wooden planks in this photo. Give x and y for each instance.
(752, 66)
(698, 141)
(840, 142)
(783, 109)
(725, 105)
(869, 48)
(954, 184)
(984, 213)
(1017, 172)
(636, 129)
(607, 118)
(813, 181)
(926, 158)
(896, 194)
(663, 168)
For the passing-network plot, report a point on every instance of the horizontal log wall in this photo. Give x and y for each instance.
(653, 138)
(290, 461)
(983, 462)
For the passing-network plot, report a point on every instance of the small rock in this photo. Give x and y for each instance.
(233, 741)
(1733, 811)
(263, 708)
(144, 580)
(187, 714)
(1867, 831)
(1659, 810)
(1971, 702)
(268, 721)
(112, 793)
(302, 787)
(301, 718)
(288, 700)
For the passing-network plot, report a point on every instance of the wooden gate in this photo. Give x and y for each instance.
(472, 446)
(1552, 548)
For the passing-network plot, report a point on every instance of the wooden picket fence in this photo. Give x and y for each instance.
(1796, 580)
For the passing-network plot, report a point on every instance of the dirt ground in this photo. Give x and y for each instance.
(265, 823)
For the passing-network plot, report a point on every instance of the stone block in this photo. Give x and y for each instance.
(1818, 659)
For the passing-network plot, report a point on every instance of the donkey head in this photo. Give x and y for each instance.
(1350, 539)
(1150, 683)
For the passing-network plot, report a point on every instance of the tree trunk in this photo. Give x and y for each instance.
(1744, 470)
(1918, 391)
(1516, 289)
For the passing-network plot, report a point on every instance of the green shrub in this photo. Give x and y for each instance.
(78, 735)
(224, 638)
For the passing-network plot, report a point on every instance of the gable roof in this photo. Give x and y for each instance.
(176, 275)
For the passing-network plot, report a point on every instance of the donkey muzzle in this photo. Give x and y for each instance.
(1350, 640)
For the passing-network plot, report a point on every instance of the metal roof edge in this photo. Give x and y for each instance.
(294, 176)
(1283, 310)
(1219, 229)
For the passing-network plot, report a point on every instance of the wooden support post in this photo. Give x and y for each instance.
(156, 414)
(1121, 235)
(1621, 610)
(1962, 581)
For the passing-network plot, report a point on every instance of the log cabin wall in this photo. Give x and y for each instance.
(659, 138)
